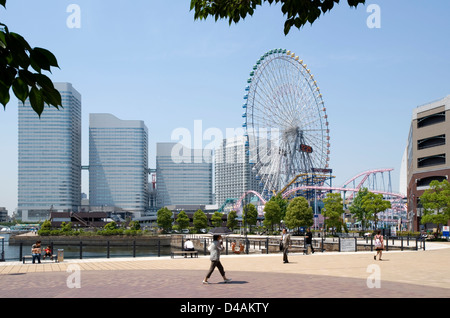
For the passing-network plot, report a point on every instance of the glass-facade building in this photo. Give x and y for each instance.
(233, 175)
(184, 176)
(118, 163)
(49, 157)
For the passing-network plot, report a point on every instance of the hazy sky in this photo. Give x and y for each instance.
(149, 60)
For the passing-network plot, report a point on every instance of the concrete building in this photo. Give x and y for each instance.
(118, 163)
(428, 153)
(49, 157)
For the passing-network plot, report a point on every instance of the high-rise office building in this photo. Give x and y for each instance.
(49, 157)
(118, 163)
(428, 153)
(232, 172)
(183, 175)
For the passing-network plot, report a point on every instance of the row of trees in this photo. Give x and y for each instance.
(279, 212)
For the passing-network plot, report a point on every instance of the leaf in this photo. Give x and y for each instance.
(51, 59)
(4, 95)
(20, 89)
(36, 100)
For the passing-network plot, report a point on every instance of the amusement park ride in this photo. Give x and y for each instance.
(288, 138)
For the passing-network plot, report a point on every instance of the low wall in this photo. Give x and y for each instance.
(90, 240)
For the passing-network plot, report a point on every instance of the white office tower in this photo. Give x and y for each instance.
(118, 163)
(183, 175)
(49, 155)
(232, 172)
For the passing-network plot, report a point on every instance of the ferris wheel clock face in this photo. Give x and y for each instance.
(285, 120)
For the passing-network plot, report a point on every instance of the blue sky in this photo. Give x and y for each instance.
(149, 60)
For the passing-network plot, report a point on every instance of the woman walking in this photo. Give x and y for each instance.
(215, 249)
(379, 245)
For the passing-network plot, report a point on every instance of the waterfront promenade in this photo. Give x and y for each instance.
(401, 274)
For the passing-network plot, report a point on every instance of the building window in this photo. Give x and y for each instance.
(431, 119)
(431, 142)
(431, 161)
(425, 182)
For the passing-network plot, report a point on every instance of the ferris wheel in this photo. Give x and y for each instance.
(285, 119)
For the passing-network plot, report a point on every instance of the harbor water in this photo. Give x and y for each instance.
(75, 251)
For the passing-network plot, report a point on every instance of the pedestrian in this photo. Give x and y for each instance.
(309, 240)
(379, 245)
(215, 248)
(188, 246)
(286, 243)
(36, 252)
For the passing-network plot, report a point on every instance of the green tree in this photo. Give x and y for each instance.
(436, 203)
(200, 220)
(298, 213)
(333, 209)
(250, 215)
(272, 214)
(297, 12)
(357, 210)
(134, 225)
(216, 219)
(111, 226)
(164, 219)
(373, 204)
(21, 69)
(183, 220)
(232, 220)
(46, 228)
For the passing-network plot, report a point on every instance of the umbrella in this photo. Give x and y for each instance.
(220, 231)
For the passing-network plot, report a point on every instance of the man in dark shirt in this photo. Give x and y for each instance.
(309, 239)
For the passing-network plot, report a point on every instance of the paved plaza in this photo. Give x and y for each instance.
(400, 274)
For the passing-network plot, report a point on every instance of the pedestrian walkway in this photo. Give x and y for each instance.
(410, 274)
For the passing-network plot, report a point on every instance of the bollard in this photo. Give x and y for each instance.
(81, 249)
(159, 247)
(20, 251)
(134, 248)
(107, 249)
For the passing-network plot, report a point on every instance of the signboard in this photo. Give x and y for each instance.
(347, 245)
(393, 231)
(446, 231)
(306, 148)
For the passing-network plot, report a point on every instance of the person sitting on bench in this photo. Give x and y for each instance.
(188, 246)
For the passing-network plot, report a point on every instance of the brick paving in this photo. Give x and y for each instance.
(407, 274)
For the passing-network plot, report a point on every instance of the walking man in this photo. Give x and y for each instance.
(286, 240)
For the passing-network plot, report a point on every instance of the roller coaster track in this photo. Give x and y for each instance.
(344, 188)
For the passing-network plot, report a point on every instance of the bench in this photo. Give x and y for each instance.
(193, 253)
(30, 257)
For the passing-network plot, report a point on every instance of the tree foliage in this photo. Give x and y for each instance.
(232, 220)
(357, 210)
(298, 213)
(373, 204)
(21, 68)
(297, 12)
(436, 203)
(250, 215)
(200, 220)
(333, 210)
(272, 213)
(164, 219)
(216, 219)
(182, 220)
